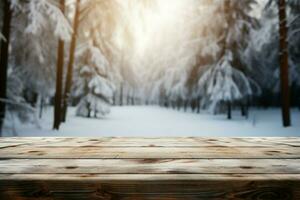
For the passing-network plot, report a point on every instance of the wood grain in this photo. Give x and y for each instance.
(159, 142)
(33, 152)
(235, 189)
(150, 168)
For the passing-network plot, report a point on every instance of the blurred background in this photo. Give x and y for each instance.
(150, 68)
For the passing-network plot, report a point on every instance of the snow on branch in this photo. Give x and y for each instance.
(223, 82)
(98, 58)
(42, 11)
(21, 105)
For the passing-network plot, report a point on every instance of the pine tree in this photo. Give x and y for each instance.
(36, 68)
(30, 72)
(261, 54)
(4, 59)
(93, 85)
(95, 58)
(225, 81)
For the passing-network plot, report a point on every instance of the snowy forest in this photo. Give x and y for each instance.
(69, 65)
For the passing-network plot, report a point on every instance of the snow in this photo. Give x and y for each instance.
(40, 11)
(153, 121)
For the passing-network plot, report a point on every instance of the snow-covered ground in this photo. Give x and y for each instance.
(142, 121)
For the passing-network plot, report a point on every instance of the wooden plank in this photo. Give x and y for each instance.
(201, 189)
(150, 166)
(106, 178)
(159, 142)
(34, 152)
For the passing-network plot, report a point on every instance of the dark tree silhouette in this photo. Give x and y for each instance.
(284, 66)
(59, 78)
(69, 78)
(4, 54)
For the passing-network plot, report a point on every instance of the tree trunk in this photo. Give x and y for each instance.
(193, 105)
(186, 103)
(68, 84)
(41, 107)
(247, 112)
(284, 66)
(4, 54)
(114, 99)
(243, 110)
(173, 103)
(229, 112)
(166, 103)
(198, 105)
(132, 100)
(178, 104)
(128, 99)
(121, 95)
(88, 106)
(59, 77)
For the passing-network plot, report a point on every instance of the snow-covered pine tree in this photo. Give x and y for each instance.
(96, 57)
(35, 67)
(93, 84)
(261, 54)
(42, 22)
(44, 15)
(96, 16)
(225, 81)
(208, 41)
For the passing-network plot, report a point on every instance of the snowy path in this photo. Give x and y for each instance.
(155, 121)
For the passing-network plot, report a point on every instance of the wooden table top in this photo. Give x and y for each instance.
(239, 161)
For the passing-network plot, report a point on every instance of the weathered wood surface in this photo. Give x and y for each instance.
(31, 152)
(147, 142)
(150, 168)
